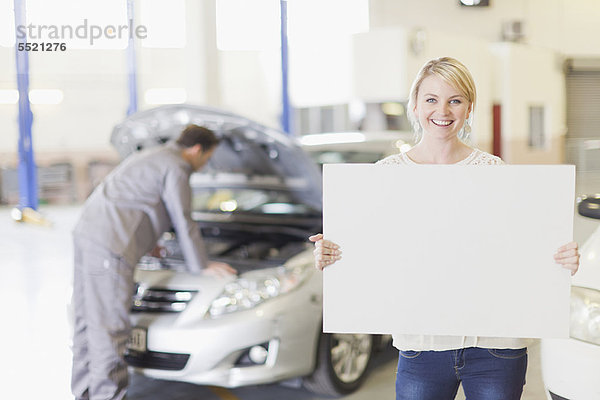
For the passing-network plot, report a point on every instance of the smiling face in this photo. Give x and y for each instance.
(440, 108)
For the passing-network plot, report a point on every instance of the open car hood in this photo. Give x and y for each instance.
(250, 154)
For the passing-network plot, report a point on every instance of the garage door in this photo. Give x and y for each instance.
(583, 113)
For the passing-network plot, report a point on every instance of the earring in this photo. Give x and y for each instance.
(467, 127)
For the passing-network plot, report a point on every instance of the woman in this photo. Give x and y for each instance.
(440, 107)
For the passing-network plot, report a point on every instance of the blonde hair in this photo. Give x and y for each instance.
(452, 72)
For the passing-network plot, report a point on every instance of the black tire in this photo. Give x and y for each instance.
(342, 364)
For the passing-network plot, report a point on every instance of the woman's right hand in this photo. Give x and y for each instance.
(326, 252)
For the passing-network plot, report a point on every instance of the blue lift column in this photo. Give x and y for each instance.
(131, 65)
(285, 98)
(28, 196)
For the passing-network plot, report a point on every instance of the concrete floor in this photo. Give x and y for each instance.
(36, 273)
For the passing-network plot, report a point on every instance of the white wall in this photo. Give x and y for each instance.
(529, 76)
(570, 27)
(250, 84)
(380, 64)
(321, 71)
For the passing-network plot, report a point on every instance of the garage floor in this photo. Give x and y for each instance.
(35, 290)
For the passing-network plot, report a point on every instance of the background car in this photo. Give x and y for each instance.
(257, 201)
(570, 366)
(355, 147)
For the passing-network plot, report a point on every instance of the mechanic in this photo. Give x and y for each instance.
(146, 195)
(440, 106)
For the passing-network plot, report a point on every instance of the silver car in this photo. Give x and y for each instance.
(257, 201)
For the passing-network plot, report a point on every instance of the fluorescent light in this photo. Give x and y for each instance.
(475, 3)
(45, 96)
(332, 138)
(9, 96)
(235, 16)
(311, 19)
(165, 22)
(36, 96)
(165, 96)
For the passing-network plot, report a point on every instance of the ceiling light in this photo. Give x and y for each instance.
(474, 3)
(331, 138)
(9, 96)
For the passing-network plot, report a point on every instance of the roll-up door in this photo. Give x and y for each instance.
(583, 113)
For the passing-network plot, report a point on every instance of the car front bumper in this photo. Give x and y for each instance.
(287, 327)
(570, 368)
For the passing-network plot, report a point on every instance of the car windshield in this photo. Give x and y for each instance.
(256, 201)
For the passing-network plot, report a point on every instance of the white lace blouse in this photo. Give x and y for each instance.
(477, 157)
(439, 343)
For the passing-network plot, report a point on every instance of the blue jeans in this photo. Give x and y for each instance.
(486, 374)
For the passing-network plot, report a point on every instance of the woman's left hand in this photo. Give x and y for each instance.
(568, 256)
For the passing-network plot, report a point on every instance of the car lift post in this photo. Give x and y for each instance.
(131, 65)
(28, 196)
(285, 98)
(26, 211)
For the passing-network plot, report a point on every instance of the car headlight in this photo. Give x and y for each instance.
(585, 314)
(256, 287)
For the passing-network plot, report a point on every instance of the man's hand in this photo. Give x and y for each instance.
(220, 269)
(159, 252)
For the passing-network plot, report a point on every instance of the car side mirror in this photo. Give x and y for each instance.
(589, 206)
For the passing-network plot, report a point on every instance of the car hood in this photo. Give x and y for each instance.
(175, 291)
(178, 280)
(250, 154)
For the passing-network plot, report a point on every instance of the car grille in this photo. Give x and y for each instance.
(157, 360)
(161, 300)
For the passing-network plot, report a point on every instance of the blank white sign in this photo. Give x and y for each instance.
(447, 249)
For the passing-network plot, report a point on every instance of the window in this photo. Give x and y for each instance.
(248, 25)
(537, 127)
